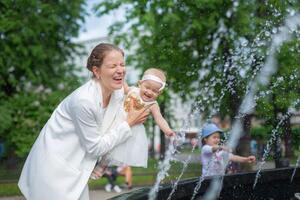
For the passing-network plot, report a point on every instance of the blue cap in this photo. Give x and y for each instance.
(209, 129)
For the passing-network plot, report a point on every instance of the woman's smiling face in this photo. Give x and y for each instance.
(112, 71)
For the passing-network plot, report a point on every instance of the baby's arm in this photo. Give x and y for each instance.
(160, 120)
(242, 159)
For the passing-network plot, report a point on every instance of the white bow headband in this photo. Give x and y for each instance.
(156, 79)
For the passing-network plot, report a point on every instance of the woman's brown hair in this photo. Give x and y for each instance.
(99, 52)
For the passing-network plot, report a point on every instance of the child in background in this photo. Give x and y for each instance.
(213, 155)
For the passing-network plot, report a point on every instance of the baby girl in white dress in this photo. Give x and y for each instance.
(134, 151)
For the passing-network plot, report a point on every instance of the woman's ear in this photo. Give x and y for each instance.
(96, 72)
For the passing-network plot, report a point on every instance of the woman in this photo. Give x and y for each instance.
(79, 132)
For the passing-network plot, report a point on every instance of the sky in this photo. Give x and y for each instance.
(96, 27)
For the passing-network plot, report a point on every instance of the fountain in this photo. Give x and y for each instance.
(273, 184)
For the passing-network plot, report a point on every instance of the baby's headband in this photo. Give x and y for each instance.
(156, 79)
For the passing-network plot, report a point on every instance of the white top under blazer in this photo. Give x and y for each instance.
(76, 135)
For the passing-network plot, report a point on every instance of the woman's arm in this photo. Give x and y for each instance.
(160, 120)
(96, 143)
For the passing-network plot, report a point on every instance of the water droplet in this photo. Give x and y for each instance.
(267, 33)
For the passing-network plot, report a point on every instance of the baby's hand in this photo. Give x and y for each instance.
(170, 133)
(251, 159)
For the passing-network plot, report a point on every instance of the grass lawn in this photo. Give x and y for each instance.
(9, 189)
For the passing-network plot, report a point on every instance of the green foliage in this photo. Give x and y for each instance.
(187, 37)
(35, 74)
(26, 115)
(283, 91)
(263, 132)
(36, 42)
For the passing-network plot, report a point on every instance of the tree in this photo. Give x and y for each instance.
(35, 70)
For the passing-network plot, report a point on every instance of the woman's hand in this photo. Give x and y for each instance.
(137, 116)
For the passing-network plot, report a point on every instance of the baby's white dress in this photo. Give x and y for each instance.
(134, 151)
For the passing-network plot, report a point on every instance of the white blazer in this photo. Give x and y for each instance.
(76, 135)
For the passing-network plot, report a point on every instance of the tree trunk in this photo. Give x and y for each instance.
(277, 151)
(11, 163)
(152, 147)
(243, 148)
(277, 142)
(287, 135)
(162, 136)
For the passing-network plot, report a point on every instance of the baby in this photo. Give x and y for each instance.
(134, 151)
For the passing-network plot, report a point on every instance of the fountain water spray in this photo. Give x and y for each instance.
(165, 165)
(268, 147)
(270, 67)
(296, 166)
(185, 164)
(271, 141)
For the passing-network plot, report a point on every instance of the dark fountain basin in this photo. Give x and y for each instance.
(273, 184)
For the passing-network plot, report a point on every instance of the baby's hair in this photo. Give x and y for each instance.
(157, 72)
